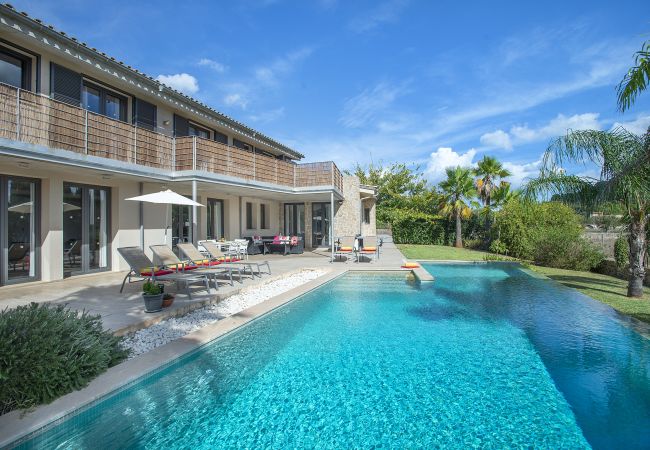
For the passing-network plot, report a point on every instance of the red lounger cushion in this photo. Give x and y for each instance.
(157, 273)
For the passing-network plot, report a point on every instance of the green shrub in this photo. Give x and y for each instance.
(549, 234)
(47, 351)
(411, 227)
(149, 288)
(622, 252)
(499, 247)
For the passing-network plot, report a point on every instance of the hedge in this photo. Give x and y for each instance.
(411, 227)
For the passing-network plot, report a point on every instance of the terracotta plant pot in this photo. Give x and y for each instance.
(167, 302)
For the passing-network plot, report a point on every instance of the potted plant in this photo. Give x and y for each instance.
(168, 299)
(153, 297)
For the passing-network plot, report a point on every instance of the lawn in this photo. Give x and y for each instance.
(604, 288)
(440, 252)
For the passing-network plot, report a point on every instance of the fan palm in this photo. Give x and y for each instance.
(503, 194)
(456, 199)
(489, 171)
(624, 178)
(636, 80)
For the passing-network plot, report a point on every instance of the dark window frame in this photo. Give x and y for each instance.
(85, 82)
(196, 126)
(26, 67)
(263, 211)
(4, 244)
(366, 216)
(242, 145)
(220, 137)
(249, 216)
(210, 231)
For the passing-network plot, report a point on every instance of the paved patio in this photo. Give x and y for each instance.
(99, 293)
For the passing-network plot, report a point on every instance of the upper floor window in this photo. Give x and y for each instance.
(15, 69)
(195, 130)
(241, 144)
(102, 101)
(366, 215)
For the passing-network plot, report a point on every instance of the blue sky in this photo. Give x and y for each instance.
(427, 83)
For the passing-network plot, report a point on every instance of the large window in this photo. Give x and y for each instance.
(195, 130)
(320, 222)
(102, 101)
(15, 68)
(294, 219)
(85, 228)
(264, 218)
(19, 214)
(241, 144)
(215, 219)
(249, 216)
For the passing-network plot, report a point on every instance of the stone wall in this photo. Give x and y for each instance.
(347, 221)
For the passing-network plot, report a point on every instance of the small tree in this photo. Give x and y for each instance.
(457, 198)
(624, 178)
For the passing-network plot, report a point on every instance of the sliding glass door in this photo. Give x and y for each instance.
(181, 227)
(294, 219)
(215, 219)
(19, 220)
(85, 228)
(320, 222)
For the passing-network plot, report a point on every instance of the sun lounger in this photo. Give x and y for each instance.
(142, 268)
(346, 247)
(195, 256)
(168, 258)
(370, 248)
(216, 254)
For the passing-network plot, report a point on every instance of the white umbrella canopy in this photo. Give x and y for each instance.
(167, 197)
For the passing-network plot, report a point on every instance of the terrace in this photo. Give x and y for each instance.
(39, 120)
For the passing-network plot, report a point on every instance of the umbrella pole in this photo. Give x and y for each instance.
(166, 221)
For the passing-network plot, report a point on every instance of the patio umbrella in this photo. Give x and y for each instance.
(167, 197)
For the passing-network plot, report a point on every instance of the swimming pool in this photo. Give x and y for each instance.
(486, 356)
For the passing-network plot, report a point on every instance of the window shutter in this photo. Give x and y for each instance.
(181, 126)
(220, 137)
(144, 114)
(65, 85)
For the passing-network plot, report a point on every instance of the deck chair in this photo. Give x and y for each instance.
(168, 258)
(193, 254)
(346, 247)
(370, 249)
(216, 254)
(142, 268)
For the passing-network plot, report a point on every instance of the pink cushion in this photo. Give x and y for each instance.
(157, 273)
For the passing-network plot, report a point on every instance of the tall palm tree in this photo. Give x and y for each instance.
(456, 199)
(503, 194)
(636, 80)
(624, 179)
(489, 171)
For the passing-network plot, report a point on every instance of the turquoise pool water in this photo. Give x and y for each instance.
(486, 356)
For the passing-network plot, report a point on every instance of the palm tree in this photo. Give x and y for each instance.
(624, 179)
(456, 199)
(636, 80)
(489, 171)
(504, 194)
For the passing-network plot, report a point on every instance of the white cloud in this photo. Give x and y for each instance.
(236, 99)
(281, 66)
(445, 157)
(521, 172)
(497, 139)
(212, 64)
(385, 12)
(523, 134)
(638, 126)
(267, 116)
(182, 82)
(366, 106)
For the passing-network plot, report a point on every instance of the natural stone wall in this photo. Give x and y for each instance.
(369, 229)
(347, 221)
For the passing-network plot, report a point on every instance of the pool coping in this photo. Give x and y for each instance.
(18, 425)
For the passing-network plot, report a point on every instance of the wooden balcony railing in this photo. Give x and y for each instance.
(37, 119)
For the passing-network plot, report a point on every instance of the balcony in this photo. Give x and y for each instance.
(37, 119)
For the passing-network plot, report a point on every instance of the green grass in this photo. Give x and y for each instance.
(440, 252)
(606, 289)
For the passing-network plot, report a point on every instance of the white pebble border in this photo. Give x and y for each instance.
(173, 328)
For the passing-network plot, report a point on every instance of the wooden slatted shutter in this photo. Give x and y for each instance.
(65, 85)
